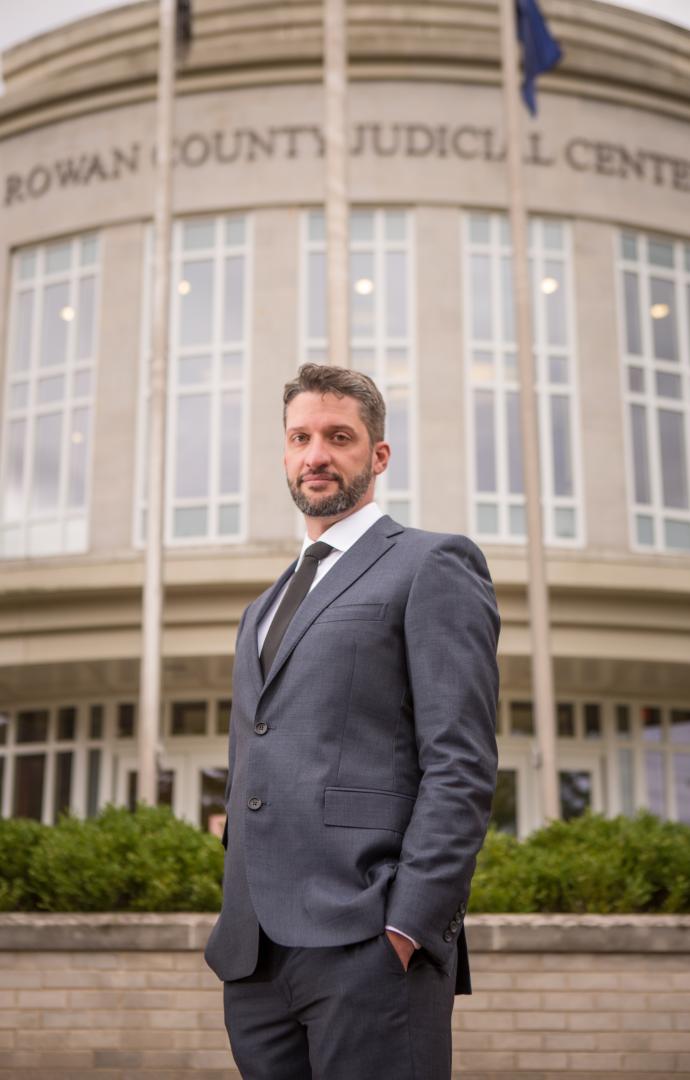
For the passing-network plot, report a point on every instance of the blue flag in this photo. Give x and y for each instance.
(540, 52)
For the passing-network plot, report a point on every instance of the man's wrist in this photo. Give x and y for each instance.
(403, 934)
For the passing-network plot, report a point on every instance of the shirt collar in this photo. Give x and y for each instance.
(348, 530)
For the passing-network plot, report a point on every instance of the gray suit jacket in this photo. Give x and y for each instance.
(361, 772)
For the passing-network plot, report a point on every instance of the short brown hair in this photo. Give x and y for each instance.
(343, 382)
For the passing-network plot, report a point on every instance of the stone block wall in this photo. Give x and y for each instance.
(128, 997)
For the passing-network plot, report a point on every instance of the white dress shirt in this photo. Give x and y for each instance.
(341, 537)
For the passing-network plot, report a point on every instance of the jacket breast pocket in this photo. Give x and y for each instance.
(343, 612)
(367, 808)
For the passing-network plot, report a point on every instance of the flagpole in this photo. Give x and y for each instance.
(337, 250)
(537, 586)
(152, 616)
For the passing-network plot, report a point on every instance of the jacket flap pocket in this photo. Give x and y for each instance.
(362, 808)
(340, 612)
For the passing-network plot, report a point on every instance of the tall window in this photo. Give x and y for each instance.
(47, 409)
(493, 410)
(655, 289)
(209, 355)
(382, 332)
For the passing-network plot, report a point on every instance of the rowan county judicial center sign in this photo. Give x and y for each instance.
(465, 142)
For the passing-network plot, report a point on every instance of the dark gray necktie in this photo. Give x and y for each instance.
(295, 594)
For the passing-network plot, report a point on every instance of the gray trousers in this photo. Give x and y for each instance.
(349, 1012)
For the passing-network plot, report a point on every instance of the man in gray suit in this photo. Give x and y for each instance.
(362, 768)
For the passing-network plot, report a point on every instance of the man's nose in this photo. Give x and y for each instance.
(318, 453)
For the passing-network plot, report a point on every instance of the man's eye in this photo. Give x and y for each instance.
(341, 437)
(299, 438)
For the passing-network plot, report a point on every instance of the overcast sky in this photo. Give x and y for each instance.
(21, 20)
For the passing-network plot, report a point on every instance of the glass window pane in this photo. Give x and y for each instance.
(32, 726)
(316, 293)
(592, 721)
(636, 380)
(50, 389)
(480, 228)
(188, 718)
(58, 257)
(663, 312)
(517, 525)
(487, 519)
(515, 477)
(485, 441)
(553, 289)
(316, 226)
(63, 784)
(362, 298)
(192, 445)
(4, 727)
(681, 781)
(228, 520)
(96, 722)
(66, 723)
(24, 314)
(483, 366)
(507, 299)
(521, 718)
(361, 225)
(194, 369)
(397, 364)
(79, 454)
(196, 305)
(565, 720)
(677, 535)
(29, 774)
(638, 425)
(395, 222)
(558, 369)
(560, 444)
(629, 245)
(223, 717)
(626, 780)
(651, 724)
(396, 293)
(19, 395)
(86, 318)
(552, 233)
(233, 309)
(27, 265)
(644, 529)
(504, 805)
(57, 314)
(623, 719)
(81, 383)
(198, 235)
(88, 250)
(668, 385)
(234, 231)
(14, 471)
(564, 523)
(399, 438)
(231, 367)
(132, 789)
(674, 478)
(633, 331)
(480, 291)
(166, 787)
(656, 782)
(576, 792)
(230, 442)
(660, 253)
(126, 720)
(93, 782)
(190, 521)
(212, 795)
(399, 510)
(680, 725)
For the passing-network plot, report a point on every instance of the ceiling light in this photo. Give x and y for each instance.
(659, 311)
(184, 288)
(549, 285)
(67, 313)
(77, 437)
(364, 286)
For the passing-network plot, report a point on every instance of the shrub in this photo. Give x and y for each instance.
(591, 864)
(118, 861)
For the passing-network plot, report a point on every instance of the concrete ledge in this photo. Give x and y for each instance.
(129, 932)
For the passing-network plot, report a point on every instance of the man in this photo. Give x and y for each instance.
(362, 767)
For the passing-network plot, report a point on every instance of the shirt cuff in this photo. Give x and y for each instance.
(403, 934)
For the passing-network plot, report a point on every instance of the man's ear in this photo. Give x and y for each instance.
(382, 453)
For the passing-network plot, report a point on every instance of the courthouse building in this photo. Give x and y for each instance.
(607, 167)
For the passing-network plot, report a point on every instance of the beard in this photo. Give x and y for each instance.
(347, 496)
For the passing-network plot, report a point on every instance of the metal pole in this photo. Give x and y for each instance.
(335, 89)
(150, 687)
(537, 587)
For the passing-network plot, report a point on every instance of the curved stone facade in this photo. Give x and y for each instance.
(607, 166)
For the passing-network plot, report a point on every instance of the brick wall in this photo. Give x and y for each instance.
(129, 998)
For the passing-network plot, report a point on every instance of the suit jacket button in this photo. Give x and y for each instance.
(261, 727)
(254, 803)
(447, 936)
(454, 925)
(458, 916)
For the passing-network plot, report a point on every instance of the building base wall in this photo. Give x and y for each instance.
(127, 997)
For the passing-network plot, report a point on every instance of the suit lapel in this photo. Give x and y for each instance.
(254, 616)
(351, 565)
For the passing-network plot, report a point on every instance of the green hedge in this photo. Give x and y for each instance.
(119, 861)
(591, 865)
(151, 861)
